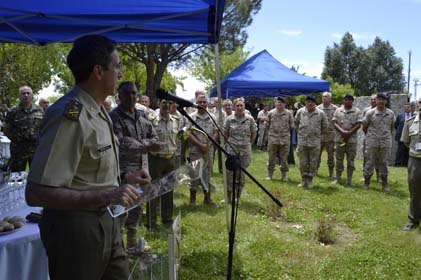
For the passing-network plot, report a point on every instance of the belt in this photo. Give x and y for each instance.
(167, 156)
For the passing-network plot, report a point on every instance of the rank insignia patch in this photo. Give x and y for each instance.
(73, 110)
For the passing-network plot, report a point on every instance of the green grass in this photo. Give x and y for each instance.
(273, 243)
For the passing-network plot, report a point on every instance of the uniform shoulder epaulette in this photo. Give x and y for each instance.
(73, 110)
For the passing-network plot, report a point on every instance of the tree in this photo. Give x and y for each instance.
(157, 57)
(366, 70)
(27, 65)
(203, 67)
(385, 68)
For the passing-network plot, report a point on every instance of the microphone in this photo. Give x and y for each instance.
(163, 94)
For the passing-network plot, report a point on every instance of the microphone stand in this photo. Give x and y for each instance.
(232, 163)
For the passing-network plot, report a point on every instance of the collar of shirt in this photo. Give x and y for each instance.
(88, 101)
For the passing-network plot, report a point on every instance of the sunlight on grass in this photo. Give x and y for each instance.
(273, 243)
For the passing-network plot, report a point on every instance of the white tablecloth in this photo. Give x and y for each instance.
(22, 255)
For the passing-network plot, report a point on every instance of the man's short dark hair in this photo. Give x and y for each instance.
(124, 84)
(87, 52)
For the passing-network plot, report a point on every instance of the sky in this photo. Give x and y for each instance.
(298, 32)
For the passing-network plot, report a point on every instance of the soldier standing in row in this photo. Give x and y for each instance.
(311, 123)
(347, 120)
(22, 127)
(262, 121)
(240, 131)
(202, 148)
(280, 123)
(136, 136)
(411, 137)
(378, 126)
(328, 139)
(162, 162)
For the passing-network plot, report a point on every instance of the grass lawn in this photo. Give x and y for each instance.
(273, 243)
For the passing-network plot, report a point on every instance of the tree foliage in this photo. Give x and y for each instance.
(27, 65)
(367, 70)
(157, 57)
(203, 67)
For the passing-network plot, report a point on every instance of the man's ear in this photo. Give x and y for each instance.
(98, 71)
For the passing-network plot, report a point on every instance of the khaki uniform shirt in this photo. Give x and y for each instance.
(24, 123)
(310, 127)
(128, 127)
(347, 119)
(279, 127)
(80, 154)
(239, 130)
(329, 136)
(167, 131)
(380, 127)
(180, 123)
(206, 124)
(411, 135)
(262, 118)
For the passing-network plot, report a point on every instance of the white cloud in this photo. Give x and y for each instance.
(290, 32)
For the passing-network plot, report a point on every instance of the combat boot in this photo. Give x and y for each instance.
(331, 172)
(303, 183)
(349, 179)
(284, 177)
(309, 182)
(131, 238)
(385, 186)
(337, 180)
(208, 200)
(270, 175)
(366, 183)
(192, 198)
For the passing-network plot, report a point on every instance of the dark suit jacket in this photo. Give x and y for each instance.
(399, 123)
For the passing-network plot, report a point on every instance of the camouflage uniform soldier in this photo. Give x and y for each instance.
(347, 120)
(136, 136)
(22, 127)
(240, 131)
(311, 123)
(411, 136)
(328, 139)
(201, 147)
(373, 104)
(262, 120)
(280, 123)
(378, 125)
(162, 162)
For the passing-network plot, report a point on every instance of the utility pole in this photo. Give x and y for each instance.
(416, 84)
(409, 72)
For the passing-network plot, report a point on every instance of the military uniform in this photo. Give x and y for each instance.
(23, 125)
(346, 119)
(132, 126)
(379, 142)
(279, 138)
(328, 138)
(180, 154)
(411, 136)
(262, 120)
(161, 163)
(310, 127)
(205, 122)
(77, 150)
(239, 131)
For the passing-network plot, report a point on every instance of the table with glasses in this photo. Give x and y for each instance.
(22, 255)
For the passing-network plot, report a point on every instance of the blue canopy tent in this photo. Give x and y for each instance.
(262, 75)
(148, 21)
